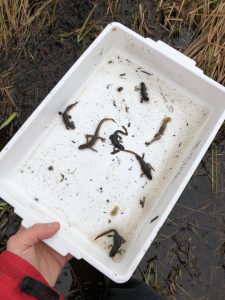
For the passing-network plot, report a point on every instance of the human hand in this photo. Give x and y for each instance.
(27, 243)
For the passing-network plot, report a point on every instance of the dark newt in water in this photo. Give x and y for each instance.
(92, 139)
(162, 128)
(143, 91)
(116, 140)
(145, 167)
(66, 118)
(118, 240)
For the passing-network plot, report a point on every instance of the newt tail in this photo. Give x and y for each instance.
(92, 139)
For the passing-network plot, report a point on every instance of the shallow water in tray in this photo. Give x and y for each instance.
(82, 187)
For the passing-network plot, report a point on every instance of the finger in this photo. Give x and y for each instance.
(32, 235)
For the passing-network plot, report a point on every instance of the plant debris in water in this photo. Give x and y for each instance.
(154, 219)
(114, 211)
(120, 89)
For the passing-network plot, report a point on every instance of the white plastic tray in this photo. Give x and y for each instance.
(95, 182)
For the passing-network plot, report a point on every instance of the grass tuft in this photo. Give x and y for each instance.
(206, 20)
(208, 46)
(138, 21)
(87, 26)
(16, 17)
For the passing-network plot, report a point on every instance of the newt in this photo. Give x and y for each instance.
(118, 240)
(145, 167)
(142, 202)
(159, 134)
(66, 118)
(144, 94)
(92, 139)
(116, 140)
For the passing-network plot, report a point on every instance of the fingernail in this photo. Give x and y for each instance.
(53, 225)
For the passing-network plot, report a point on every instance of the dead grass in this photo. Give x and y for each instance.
(113, 8)
(208, 46)
(5, 90)
(93, 26)
(7, 104)
(206, 19)
(16, 17)
(172, 283)
(87, 26)
(138, 21)
(150, 277)
(90, 27)
(171, 15)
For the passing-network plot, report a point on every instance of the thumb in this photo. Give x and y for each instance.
(29, 237)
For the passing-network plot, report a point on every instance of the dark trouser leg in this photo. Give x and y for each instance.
(131, 290)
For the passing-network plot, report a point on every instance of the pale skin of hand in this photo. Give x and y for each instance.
(27, 243)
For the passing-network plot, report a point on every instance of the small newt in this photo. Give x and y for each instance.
(116, 140)
(145, 167)
(142, 202)
(92, 139)
(162, 128)
(66, 118)
(118, 240)
(144, 94)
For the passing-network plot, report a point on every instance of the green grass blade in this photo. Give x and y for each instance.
(9, 120)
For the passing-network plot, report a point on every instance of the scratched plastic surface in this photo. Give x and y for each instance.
(84, 186)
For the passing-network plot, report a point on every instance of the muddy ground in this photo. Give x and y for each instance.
(187, 258)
